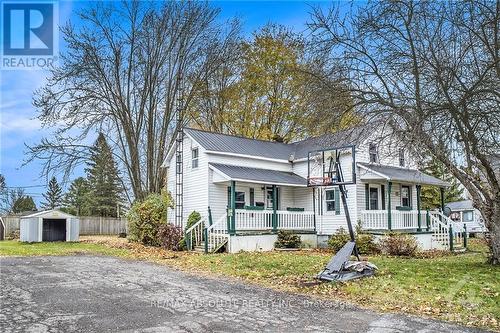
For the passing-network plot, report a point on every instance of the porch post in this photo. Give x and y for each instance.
(419, 218)
(275, 217)
(233, 208)
(389, 218)
(441, 190)
(210, 221)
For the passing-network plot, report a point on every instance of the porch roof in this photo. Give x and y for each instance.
(260, 176)
(390, 173)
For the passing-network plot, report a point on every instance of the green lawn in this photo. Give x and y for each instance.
(16, 248)
(461, 288)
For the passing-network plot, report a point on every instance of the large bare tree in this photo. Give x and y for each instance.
(433, 70)
(127, 68)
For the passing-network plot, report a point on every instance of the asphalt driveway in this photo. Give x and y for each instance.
(105, 294)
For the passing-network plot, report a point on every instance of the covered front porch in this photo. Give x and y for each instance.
(393, 198)
(260, 200)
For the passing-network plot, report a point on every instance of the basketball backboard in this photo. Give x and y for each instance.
(332, 166)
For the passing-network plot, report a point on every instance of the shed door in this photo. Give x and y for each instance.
(54, 230)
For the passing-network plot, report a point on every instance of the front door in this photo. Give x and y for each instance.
(373, 198)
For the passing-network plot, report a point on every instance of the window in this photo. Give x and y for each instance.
(252, 197)
(468, 216)
(405, 196)
(240, 200)
(373, 198)
(194, 158)
(330, 200)
(373, 153)
(269, 198)
(401, 157)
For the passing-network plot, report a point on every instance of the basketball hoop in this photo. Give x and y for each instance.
(319, 181)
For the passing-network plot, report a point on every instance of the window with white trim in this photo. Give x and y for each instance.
(330, 200)
(468, 216)
(194, 158)
(405, 196)
(402, 158)
(240, 200)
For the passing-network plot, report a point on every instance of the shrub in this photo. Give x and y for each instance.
(193, 218)
(170, 237)
(146, 217)
(399, 244)
(287, 240)
(122, 235)
(364, 242)
(338, 239)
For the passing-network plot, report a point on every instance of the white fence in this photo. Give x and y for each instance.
(400, 219)
(89, 225)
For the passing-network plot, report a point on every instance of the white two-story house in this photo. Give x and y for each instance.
(247, 189)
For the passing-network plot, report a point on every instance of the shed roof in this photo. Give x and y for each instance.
(261, 176)
(51, 213)
(403, 174)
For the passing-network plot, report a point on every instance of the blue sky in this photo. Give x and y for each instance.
(18, 125)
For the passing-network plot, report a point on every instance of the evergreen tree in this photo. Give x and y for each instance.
(54, 195)
(104, 180)
(78, 199)
(431, 196)
(23, 204)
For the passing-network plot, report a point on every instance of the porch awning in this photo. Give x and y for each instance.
(389, 173)
(259, 176)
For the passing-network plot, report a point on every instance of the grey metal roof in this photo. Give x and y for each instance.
(260, 175)
(402, 174)
(277, 150)
(239, 145)
(460, 205)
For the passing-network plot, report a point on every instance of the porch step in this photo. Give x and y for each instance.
(200, 248)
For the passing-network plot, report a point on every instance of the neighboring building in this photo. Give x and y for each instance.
(464, 212)
(266, 184)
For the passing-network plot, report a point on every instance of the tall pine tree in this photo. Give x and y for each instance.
(54, 196)
(78, 199)
(104, 180)
(431, 196)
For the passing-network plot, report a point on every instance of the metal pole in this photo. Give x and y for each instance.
(465, 235)
(314, 208)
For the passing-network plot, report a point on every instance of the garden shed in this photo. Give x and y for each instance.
(49, 226)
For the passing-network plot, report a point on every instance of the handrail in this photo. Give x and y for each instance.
(195, 230)
(216, 234)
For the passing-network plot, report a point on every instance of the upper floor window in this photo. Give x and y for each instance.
(401, 157)
(373, 152)
(194, 158)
